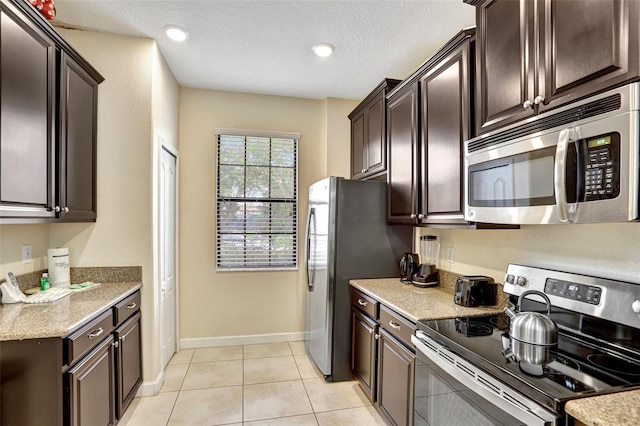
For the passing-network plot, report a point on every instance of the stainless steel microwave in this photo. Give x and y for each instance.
(576, 164)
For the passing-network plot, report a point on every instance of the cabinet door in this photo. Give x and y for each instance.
(27, 114)
(505, 62)
(363, 351)
(358, 146)
(375, 159)
(128, 363)
(90, 388)
(402, 137)
(586, 46)
(396, 366)
(445, 126)
(78, 117)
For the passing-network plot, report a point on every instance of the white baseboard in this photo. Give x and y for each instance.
(151, 388)
(207, 342)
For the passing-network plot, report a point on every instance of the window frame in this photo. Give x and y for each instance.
(296, 243)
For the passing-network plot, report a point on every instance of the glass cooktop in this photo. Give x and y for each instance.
(581, 365)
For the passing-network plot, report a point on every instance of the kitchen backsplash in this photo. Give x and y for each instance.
(99, 274)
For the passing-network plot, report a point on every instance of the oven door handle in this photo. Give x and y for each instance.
(483, 384)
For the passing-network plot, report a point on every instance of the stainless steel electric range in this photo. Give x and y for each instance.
(465, 373)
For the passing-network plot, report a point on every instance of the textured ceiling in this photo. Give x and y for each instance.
(265, 46)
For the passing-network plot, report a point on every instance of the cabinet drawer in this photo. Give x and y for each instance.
(365, 303)
(397, 325)
(126, 307)
(87, 337)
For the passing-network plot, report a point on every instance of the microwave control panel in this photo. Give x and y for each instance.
(601, 167)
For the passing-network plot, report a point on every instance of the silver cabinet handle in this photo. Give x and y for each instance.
(420, 216)
(527, 104)
(66, 209)
(57, 209)
(115, 344)
(133, 305)
(413, 216)
(394, 325)
(538, 100)
(123, 338)
(362, 302)
(377, 336)
(96, 333)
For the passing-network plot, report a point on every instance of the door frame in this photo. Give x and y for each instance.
(163, 145)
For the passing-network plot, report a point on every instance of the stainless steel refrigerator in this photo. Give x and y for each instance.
(347, 237)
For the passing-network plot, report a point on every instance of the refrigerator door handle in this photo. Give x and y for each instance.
(310, 216)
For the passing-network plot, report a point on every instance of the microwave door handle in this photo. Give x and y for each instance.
(560, 175)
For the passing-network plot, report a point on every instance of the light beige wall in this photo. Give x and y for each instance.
(237, 303)
(122, 234)
(607, 250)
(12, 237)
(338, 136)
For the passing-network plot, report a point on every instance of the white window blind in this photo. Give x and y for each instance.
(257, 202)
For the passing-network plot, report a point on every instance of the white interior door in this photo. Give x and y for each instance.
(168, 254)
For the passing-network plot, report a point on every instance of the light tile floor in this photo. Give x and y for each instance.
(258, 385)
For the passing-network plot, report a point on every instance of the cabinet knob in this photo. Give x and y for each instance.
(413, 215)
(377, 336)
(66, 209)
(362, 302)
(420, 216)
(635, 306)
(363, 170)
(57, 209)
(527, 104)
(538, 100)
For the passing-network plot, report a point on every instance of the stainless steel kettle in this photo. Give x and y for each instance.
(532, 334)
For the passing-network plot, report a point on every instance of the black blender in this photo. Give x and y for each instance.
(427, 275)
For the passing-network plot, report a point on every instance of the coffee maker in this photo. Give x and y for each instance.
(427, 275)
(409, 264)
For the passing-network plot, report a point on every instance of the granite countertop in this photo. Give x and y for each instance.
(32, 321)
(416, 303)
(621, 409)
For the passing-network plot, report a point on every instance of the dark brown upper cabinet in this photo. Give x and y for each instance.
(77, 146)
(445, 102)
(403, 177)
(536, 55)
(429, 118)
(368, 133)
(48, 111)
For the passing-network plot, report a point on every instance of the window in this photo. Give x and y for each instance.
(257, 200)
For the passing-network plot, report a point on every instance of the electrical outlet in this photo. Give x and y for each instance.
(450, 255)
(26, 253)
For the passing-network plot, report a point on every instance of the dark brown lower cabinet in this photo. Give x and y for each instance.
(396, 366)
(91, 388)
(128, 362)
(364, 351)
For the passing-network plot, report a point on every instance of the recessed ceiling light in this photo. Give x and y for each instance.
(176, 33)
(323, 49)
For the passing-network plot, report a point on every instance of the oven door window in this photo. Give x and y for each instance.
(441, 400)
(518, 181)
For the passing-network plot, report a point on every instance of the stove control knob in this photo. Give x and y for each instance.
(510, 279)
(636, 306)
(521, 281)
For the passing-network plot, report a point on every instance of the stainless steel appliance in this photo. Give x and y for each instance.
(475, 290)
(465, 374)
(578, 163)
(347, 237)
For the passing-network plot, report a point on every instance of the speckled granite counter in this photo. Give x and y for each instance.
(22, 321)
(607, 410)
(422, 303)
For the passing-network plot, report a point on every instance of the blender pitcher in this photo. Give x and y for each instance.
(428, 273)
